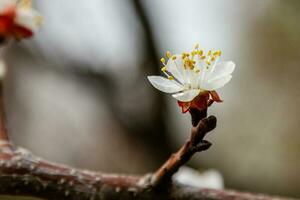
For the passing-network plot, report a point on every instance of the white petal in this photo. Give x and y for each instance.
(186, 96)
(28, 18)
(175, 67)
(4, 4)
(221, 69)
(216, 83)
(207, 179)
(164, 85)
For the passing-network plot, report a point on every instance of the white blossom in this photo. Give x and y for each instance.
(18, 18)
(189, 74)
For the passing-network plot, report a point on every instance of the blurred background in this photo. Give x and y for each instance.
(77, 92)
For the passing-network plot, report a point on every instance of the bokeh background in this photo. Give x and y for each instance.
(77, 92)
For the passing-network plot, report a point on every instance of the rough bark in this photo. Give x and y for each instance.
(22, 173)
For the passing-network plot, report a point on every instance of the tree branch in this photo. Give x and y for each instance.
(22, 173)
(3, 132)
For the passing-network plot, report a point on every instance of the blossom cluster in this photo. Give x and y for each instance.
(18, 19)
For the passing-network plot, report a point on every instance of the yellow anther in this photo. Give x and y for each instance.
(25, 3)
(185, 55)
(193, 53)
(163, 61)
(164, 69)
(217, 53)
(200, 52)
(38, 20)
(170, 78)
(209, 53)
(174, 57)
(188, 63)
(168, 54)
(213, 58)
(208, 63)
(197, 71)
(203, 57)
(197, 46)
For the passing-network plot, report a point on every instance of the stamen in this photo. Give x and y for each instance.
(174, 57)
(209, 53)
(163, 61)
(25, 3)
(171, 78)
(38, 20)
(200, 52)
(217, 53)
(168, 54)
(164, 70)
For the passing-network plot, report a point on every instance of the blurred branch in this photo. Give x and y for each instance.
(3, 132)
(149, 36)
(5, 145)
(157, 127)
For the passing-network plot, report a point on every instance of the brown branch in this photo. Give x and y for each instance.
(3, 132)
(163, 176)
(22, 173)
(5, 145)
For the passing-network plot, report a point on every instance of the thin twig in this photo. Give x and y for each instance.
(162, 177)
(3, 131)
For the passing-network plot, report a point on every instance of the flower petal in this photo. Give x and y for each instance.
(221, 69)
(186, 96)
(216, 83)
(28, 18)
(5, 4)
(164, 85)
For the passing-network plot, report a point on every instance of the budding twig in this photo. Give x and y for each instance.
(163, 176)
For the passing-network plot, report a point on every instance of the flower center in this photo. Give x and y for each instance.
(189, 61)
